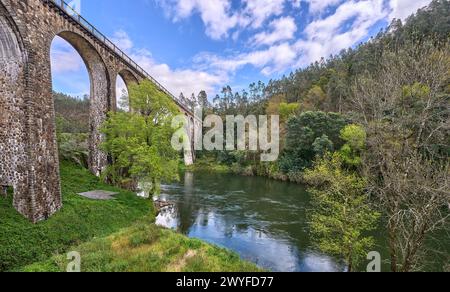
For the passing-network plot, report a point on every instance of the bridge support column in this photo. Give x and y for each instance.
(28, 152)
(188, 157)
(189, 154)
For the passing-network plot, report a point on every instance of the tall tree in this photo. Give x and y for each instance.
(406, 112)
(342, 215)
(139, 142)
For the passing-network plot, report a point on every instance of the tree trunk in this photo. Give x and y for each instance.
(350, 267)
(392, 249)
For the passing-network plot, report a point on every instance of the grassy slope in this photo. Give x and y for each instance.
(144, 247)
(80, 219)
(89, 224)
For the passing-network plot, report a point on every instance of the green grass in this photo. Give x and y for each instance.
(116, 235)
(144, 247)
(79, 220)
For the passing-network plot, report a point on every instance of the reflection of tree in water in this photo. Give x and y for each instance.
(187, 208)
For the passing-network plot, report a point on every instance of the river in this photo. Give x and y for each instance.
(263, 220)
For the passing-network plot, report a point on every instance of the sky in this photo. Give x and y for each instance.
(194, 45)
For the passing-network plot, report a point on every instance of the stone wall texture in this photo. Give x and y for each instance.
(28, 150)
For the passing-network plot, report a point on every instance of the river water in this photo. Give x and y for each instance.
(263, 220)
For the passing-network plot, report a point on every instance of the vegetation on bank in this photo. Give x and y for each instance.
(116, 235)
(144, 247)
(206, 163)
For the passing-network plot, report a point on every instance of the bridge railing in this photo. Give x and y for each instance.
(70, 11)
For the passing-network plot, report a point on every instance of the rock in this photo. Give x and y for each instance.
(159, 205)
(99, 195)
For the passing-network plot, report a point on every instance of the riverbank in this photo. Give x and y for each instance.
(145, 247)
(268, 170)
(88, 225)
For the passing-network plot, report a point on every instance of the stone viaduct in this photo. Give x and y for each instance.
(28, 150)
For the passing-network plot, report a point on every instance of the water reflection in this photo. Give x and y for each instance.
(264, 221)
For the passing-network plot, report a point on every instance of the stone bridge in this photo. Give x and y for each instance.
(28, 150)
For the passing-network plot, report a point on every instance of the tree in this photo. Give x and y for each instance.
(316, 99)
(124, 101)
(405, 111)
(288, 110)
(303, 131)
(202, 100)
(322, 145)
(138, 142)
(72, 113)
(355, 138)
(192, 102)
(341, 215)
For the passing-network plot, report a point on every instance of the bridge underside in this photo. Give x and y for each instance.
(28, 149)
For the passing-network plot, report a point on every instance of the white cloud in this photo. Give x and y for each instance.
(282, 29)
(64, 57)
(401, 9)
(122, 40)
(215, 14)
(176, 81)
(320, 6)
(69, 72)
(218, 16)
(256, 12)
(273, 59)
(325, 36)
(322, 38)
(273, 29)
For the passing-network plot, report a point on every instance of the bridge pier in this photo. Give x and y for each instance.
(29, 156)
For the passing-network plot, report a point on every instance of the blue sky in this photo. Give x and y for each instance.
(190, 45)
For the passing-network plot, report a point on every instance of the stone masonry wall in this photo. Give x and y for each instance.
(12, 106)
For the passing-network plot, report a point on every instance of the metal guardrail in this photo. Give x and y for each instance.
(102, 38)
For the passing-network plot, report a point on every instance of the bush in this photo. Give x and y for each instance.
(74, 148)
(311, 134)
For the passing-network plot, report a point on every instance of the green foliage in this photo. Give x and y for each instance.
(341, 216)
(74, 148)
(230, 157)
(355, 142)
(309, 134)
(80, 219)
(72, 114)
(322, 145)
(287, 110)
(72, 126)
(139, 142)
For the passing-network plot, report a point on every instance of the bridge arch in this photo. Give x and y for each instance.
(100, 102)
(128, 79)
